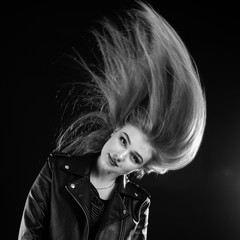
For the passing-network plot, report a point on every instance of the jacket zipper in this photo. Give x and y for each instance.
(117, 219)
(122, 224)
(85, 213)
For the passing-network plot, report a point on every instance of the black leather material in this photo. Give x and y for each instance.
(57, 204)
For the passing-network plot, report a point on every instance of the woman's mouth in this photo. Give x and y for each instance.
(111, 161)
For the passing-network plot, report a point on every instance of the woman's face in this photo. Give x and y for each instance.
(127, 150)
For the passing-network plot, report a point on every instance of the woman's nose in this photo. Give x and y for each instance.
(121, 156)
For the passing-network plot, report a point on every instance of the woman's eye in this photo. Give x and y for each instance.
(135, 159)
(123, 141)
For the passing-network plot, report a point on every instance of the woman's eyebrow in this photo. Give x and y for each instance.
(130, 144)
(127, 137)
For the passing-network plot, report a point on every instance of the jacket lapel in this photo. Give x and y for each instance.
(115, 210)
(80, 188)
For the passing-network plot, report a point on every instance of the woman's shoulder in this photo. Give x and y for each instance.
(56, 154)
(53, 156)
(74, 164)
(141, 190)
(136, 190)
(57, 159)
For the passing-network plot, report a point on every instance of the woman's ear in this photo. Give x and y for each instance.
(148, 168)
(163, 170)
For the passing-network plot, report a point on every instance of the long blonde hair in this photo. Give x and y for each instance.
(148, 79)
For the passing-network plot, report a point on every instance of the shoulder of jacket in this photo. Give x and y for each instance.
(143, 190)
(55, 157)
(60, 154)
(70, 163)
(140, 191)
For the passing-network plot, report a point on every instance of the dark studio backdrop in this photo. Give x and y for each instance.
(201, 201)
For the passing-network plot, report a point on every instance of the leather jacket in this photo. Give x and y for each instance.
(57, 204)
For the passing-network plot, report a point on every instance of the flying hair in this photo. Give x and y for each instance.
(147, 79)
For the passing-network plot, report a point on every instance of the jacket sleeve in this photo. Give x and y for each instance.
(141, 231)
(35, 214)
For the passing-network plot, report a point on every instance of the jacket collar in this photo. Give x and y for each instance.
(81, 165)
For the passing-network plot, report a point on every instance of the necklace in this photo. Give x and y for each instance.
(106, 187)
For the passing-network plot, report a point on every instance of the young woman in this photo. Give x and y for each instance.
(149, 116)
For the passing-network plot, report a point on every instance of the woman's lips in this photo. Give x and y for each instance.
(111, 161)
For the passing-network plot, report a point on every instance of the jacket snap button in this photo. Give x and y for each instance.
(66, 167)
(136, 194)
(124, 211)
(72, 185)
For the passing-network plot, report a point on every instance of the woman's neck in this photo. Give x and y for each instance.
(104, 184)
(101, 178)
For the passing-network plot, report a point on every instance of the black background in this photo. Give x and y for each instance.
(201, 201)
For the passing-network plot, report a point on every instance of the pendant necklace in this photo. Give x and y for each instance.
(105, 187)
